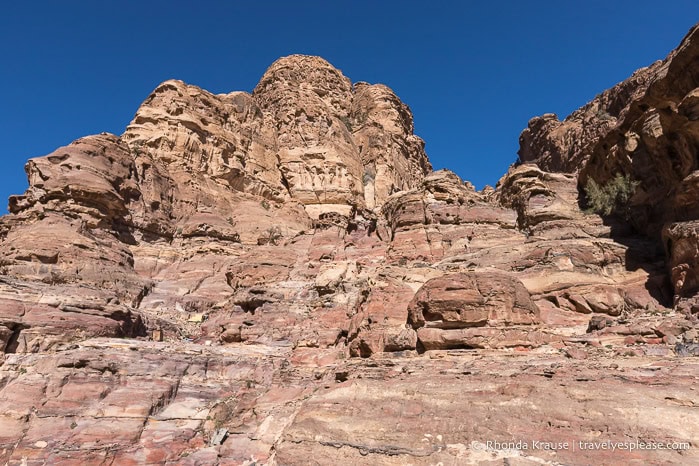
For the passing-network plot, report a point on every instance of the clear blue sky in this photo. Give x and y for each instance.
(473, 73)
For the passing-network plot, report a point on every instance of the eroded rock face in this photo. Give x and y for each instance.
(305, 133)
(655, 143)
(649, 135)
(283, 265)
(308, 100)
(531, 230)
(506, 399)
(445, 306)
(644, 128)
(564, 146)
(135, 402)
(682, 242)
(392, 156)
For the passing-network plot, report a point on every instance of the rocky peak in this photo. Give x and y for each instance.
(304, 134)
(306, 75)
(565, 146)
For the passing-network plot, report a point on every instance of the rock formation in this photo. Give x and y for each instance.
(280, 278)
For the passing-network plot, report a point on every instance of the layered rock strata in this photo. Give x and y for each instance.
(250, 278)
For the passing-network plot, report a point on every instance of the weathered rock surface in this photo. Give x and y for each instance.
(448, 311)
(278, 278)
(472, 300)
(305, 133)
(131, 402)
(656, 143)
(564, 146)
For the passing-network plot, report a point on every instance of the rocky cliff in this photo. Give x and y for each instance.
(280, 278)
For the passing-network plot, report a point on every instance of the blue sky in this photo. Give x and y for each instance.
(473, 73)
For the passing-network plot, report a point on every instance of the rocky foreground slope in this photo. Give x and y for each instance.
(280, 278)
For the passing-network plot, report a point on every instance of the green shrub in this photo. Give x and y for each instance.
(610, 197)
(348, 123)
(271, 235)
(603, 115)
(137, 148)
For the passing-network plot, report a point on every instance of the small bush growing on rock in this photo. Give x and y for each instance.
(603, 115)
(271, 236)
(137, 148)
(347, 122)
(610, 197)
(55, 278)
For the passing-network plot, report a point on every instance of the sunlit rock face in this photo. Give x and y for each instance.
(646, 128)
(268, 277)
(305, 133)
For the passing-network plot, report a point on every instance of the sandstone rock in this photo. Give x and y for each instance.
(472, 300)
(291, 256)
(382, 128)
(547, 203)
(565, 146)
(327, 428)
(682, 245)
(460, 301)
(665, 137)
